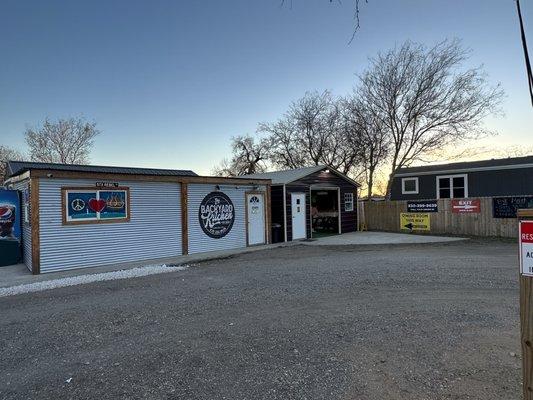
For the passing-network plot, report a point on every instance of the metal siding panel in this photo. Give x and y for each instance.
(427, 188)
(26, 228)
(276, 204)
(198, 241)
(505, 182)
(154, 230)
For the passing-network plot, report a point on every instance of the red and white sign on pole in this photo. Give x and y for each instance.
(526, 248)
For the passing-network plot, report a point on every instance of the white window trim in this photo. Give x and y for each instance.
(350, 201)
(415, 178)
(465, 176)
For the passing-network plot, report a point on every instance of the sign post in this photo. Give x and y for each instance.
(525, 240)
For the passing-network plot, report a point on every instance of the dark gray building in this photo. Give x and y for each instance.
(486, 178)
(311, 202)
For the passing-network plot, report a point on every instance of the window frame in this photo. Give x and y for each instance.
(90, 189)
(351, 202)
(450, 178)
(410, 178)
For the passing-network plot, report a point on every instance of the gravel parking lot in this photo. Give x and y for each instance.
(432, 321)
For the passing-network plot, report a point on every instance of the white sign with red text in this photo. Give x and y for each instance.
(526, 248)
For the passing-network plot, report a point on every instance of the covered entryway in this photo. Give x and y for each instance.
(255, 213)
(325, 205)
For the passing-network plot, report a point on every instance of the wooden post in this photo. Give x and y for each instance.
(184, 219)
(526, 322)
(34, 221)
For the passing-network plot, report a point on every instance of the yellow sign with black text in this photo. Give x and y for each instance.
(414, 221)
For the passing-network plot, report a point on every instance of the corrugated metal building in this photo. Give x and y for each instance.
(87, 216)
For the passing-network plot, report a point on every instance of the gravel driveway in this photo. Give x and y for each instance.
(433, 321)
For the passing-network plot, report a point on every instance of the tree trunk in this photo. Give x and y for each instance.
(370, 182)
(389, 185)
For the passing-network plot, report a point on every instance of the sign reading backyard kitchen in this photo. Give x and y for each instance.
(414, 221)
(216, 215)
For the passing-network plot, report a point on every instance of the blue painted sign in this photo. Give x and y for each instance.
(96, 204)
(10, 229)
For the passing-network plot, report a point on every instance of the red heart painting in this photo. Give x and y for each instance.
(96, 205)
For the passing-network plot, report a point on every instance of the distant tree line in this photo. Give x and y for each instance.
(409, 105)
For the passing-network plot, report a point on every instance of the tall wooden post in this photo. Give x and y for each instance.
(184, 218)
(526, 319)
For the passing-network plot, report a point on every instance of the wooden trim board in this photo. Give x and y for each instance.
(184, 219)
(51, 174)
(35, 234)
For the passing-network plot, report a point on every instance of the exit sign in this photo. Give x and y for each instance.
(526, 247)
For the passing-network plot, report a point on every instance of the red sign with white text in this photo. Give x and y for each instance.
(526, 247)
(461, 206)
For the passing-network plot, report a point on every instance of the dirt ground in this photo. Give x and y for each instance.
(432, 321)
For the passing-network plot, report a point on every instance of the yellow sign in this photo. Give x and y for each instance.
(414, 221)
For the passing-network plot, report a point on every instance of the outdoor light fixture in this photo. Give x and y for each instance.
(326, 171)
(217, 187)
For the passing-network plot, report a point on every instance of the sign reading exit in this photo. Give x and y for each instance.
(526, 248)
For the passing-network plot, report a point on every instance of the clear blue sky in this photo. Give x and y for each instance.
(169, 82)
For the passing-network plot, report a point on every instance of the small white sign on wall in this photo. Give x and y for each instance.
(526, 247)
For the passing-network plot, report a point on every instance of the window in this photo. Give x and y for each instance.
(452, 186)
(410, 185)
(87, 205)
(348, 201)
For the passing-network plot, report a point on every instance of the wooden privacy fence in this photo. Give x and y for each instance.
(385, 216)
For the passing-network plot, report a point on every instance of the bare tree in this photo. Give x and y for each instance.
(356, 13)
(7, 154)
(67, 141)
(425, 101)
(249, 157)
(310, 133)
(367, 138)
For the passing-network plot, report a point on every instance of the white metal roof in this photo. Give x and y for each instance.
(291, 175)
(287, 176)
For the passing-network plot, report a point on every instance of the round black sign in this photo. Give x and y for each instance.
(216, 215)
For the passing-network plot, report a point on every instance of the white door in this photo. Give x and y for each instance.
(256, 218)
(298, 216)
